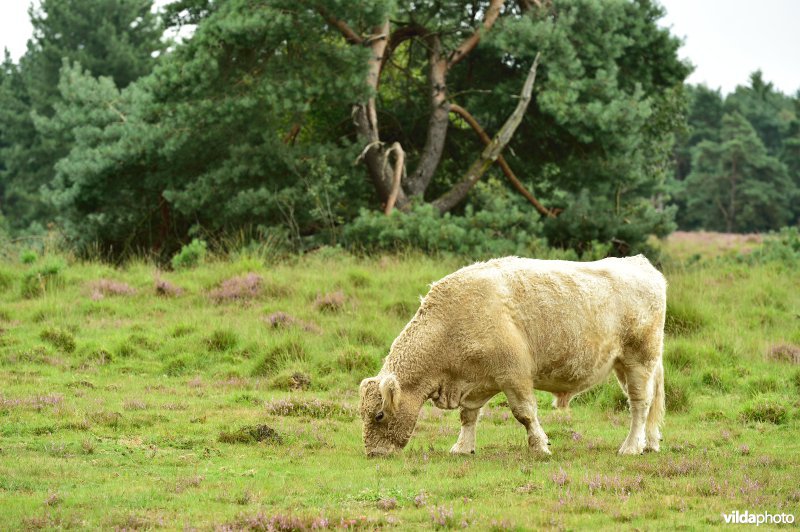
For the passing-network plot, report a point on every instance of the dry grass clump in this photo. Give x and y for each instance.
(281, 320)
(166, 289)
(333, 302)
(241, 288)
(784, 353)
(107, 287)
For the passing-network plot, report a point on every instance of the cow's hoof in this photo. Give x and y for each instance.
(631, 449)
(652, 447)
(456, 449)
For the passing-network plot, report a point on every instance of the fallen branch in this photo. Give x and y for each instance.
(516, 183)
(493, 150)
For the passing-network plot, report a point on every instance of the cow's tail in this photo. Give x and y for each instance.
(655, 418)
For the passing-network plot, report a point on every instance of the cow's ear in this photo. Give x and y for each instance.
(362, 388)
(389, 387)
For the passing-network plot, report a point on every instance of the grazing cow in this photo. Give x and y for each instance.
(516, 325)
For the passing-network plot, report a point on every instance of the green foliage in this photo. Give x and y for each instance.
(190, 255)
(747, 188)
(28, 256)
(739, 164)
(500, 226)
(113, 38)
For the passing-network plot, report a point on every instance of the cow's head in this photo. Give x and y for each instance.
(388, 415)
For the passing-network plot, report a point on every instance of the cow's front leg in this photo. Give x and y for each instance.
(523, 406)
(466, 438)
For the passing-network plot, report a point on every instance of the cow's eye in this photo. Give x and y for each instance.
(379, 416)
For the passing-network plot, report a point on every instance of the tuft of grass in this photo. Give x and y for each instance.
(176, 367)
(356, 361)
(330, 303)
(279, 355)
(677, 397)
(763, 384)
(765, 409)
(715, 380)
(43, 278)
(251, 434)
(222, 340)
(59, 338)
(683, 318)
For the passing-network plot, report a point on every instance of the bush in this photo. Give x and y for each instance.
(190, 255)
(498, 225)
(28, 256)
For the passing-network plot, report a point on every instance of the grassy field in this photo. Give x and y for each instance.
(225, 397)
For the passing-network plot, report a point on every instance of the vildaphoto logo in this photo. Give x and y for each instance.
(747, 518)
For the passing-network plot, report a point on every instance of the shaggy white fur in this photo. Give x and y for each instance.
(515, 325)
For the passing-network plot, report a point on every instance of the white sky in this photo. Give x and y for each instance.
(726, 40)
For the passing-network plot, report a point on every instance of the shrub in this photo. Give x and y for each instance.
(28, 256)
(190, 255)
(495, 224)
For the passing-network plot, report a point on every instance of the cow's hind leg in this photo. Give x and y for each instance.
(655, 417)
(640, 385)
(466, 438)
(523, 406)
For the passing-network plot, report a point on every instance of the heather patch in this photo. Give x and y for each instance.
(241, 288)
(101, 288)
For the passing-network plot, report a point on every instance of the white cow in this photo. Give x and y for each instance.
(516, 325)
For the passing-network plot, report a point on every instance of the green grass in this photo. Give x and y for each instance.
(150, 411)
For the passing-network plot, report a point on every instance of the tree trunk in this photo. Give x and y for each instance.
(419, 180)
(490, 154)
(366, 120)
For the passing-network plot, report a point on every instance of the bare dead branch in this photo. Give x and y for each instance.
(516, 183)
(493, 150)
(399, 171)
